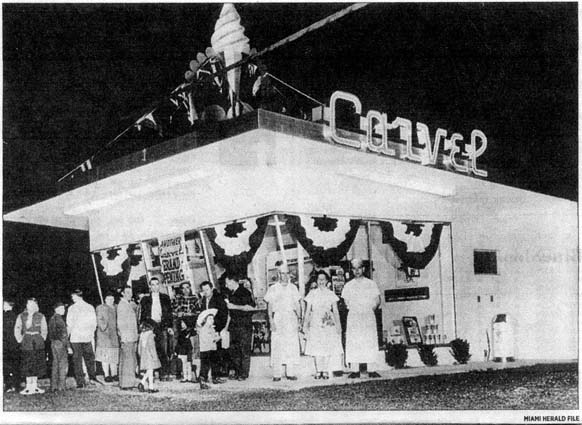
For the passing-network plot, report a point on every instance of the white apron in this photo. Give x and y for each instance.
(285, 338)
(361, 333)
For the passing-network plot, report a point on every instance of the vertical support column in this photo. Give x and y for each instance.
(300, 269)
(369, 246)
(453, 276)
(97, 277)
(206, 257)
(441, 332)
(253, 276)
(280, 240)
(147, 258)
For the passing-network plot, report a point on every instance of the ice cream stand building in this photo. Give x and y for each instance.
(246, 188)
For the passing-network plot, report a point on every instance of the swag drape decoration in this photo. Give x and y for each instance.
(236, 244)
(326, 240)
(121, 266)
(415, 244)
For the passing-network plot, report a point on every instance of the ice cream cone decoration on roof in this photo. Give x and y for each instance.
(230, 41)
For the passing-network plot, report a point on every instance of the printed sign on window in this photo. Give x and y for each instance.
(172, 252)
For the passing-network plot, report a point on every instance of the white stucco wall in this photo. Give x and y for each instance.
(535, 237)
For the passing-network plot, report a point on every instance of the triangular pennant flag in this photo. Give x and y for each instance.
(147, 121)
(86, 166)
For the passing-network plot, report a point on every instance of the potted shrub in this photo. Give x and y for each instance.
(427, 354)
(396, 355)
(460, 350)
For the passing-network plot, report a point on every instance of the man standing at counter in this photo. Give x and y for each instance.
(284, 315)
(158, 307)
(241, 305)
(362, 297)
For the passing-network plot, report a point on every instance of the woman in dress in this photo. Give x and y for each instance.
(30, 332)
(107, 347)
(322, 326)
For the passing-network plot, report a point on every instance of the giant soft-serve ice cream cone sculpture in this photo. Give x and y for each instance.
(229, 40)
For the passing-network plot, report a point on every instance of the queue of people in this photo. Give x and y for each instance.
(133, 340)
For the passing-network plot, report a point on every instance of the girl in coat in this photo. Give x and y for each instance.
(184, 352)
(148, 357)
(208, 338)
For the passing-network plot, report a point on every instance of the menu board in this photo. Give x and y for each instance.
(412, 330)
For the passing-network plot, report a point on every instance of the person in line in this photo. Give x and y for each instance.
(241, 307)
(212, 299)
(81, 325)
(128, 337)
(107, 346)
(186, 306)
(140, 293)
(30, 331)
(184, 352)
(157, 307)
(284, 314)
(148, 356)
(11, 353)
(208, 347)
(362, 297)
(60, 348)
(322, 326)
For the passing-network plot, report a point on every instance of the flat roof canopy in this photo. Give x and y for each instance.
(264, 163)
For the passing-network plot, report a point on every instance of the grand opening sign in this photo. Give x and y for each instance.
(172, 259)
(376, 126)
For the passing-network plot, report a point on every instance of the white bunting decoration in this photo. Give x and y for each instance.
(413, 243)
(238, 245)
(113, 267)
(137, 271)
(326, 239)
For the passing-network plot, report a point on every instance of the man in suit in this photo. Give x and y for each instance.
(241, 308)
(158, 308)
(212, 299)
(128, 336)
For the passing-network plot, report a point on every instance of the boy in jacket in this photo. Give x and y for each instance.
(60, 347)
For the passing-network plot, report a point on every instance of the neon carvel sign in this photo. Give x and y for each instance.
(376, 122)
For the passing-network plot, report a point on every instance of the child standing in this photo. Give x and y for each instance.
(208, 338)
(148, 358)
(184, 351)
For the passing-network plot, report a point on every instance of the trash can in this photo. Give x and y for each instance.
(503, 341)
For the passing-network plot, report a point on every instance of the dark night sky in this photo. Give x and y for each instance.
(73, 74)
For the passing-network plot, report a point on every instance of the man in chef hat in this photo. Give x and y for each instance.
(362, 297)
(284, 315)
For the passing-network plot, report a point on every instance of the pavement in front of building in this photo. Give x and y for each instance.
(257, 383)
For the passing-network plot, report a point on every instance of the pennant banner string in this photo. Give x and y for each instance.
(319, 24)
(294, 89)
(186, 86)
